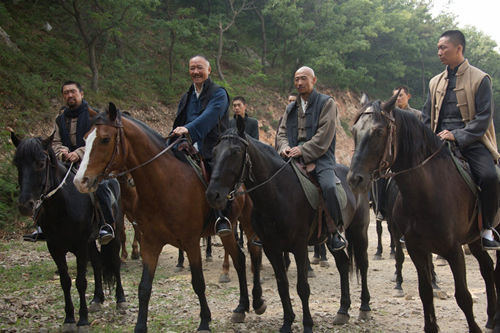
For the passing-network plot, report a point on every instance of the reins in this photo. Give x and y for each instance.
(247, 166)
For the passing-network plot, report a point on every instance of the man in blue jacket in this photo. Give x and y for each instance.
(203, 114)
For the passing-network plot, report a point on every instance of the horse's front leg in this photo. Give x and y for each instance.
(275, 256)
(198, 281)
(59, 257)
(238, 257)
(303, 287)
(95, 260)
(81, 284)
(342, 263)
(258, 303)
(150, 251)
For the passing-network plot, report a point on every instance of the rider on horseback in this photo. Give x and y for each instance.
(308, 131)
(203, 114)
(69, 145)
(459, 108)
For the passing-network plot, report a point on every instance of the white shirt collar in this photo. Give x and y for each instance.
(304, 105)
(198, 93)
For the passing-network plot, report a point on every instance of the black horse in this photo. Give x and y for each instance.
(435, 208)
(65, 217)
(380, 207)
(284, 218)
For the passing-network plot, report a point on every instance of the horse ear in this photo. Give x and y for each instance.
(240, 125)
(15, 139)
(389, 105)
(46, 143)
(364, 99)
(112, 111)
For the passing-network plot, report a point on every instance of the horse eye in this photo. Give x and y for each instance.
(105, 140)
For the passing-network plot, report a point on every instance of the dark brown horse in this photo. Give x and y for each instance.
(285, 220)
(171, 207)
(435, 208)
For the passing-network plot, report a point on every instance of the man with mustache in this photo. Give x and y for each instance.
(307, 131)
(459, 109)
(69, 146)
(202, 115)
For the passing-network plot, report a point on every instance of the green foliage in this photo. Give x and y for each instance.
(9, 214)
(345, 125)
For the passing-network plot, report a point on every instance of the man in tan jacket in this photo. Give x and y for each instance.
(459, 108)
(307, 131)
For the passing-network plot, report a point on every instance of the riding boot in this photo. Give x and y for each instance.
(104, 196)
(36, 235)
(335, 242)
(222, 224)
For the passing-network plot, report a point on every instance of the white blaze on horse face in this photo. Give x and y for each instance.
(89, 142)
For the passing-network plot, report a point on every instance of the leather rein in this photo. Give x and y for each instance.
(390, 151)
(246, 170)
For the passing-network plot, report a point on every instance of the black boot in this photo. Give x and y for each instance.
(106, 234)
(222, 226)
(36, 235)
(335, 242)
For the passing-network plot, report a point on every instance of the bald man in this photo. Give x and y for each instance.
(307, 131)
(203, 114)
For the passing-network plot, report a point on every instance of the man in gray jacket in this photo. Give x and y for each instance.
(240, 109)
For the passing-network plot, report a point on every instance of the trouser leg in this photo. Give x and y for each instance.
(106, 200)
(326, 180)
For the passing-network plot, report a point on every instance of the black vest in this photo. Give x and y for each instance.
(212, 137)
(315, 103)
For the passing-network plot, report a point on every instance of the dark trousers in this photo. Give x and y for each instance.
(106, 200)
(326, 179)
(485, 175)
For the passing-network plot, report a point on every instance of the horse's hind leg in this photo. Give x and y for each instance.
(486, 268)
(378, 254)
(135, 243)
(95, 260)
(150, 251)
(421, 261)
(303, 288)
(258, 303)
(123, 241)
(224, 276)
(208, 253)
(456, 260)
(198, 281)
(180, 261)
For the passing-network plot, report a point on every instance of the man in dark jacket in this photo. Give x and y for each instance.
(69, 146)
(251, 124)
(308, 131)
(203, 114)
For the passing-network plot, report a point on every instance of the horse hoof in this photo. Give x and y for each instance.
(315, 261)
(178, 269)
(440, 294)
(224, 278)
(94, 307)
(377, 257)
(83, 329)
(262, 309)
(311, 274)
(399, 293)
(135, 256)
(68, 327)
(238, 317)
(340, 319)
(364, 315)
(324, 263)
(122, 306)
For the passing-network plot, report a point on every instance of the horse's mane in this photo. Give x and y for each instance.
(32, 147)
(270, 153)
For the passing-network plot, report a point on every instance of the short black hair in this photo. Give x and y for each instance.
(67, 83)
(402, 87)
(240, 98)
(456, 37)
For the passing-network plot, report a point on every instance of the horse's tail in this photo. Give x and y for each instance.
(110, 255)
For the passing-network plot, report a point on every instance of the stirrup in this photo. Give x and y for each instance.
(107, 237)
(223, 231)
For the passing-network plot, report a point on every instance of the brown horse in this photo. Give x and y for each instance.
(435, 208)
(171, 207)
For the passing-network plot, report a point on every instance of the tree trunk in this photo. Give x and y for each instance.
(264, 39)
(93, 65)
(171, 56)
(219, 52)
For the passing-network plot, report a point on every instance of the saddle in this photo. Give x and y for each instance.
(194, 159)
(312, 190)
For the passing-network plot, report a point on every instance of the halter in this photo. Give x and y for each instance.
(246, 170)
(119, 142)
(390, 151)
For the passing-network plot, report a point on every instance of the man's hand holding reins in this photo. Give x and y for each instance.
(446, 135)
(291, 152)
(181, 130)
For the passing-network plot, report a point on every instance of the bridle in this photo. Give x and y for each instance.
(246, 170)
(119, 142)
(390, 150)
